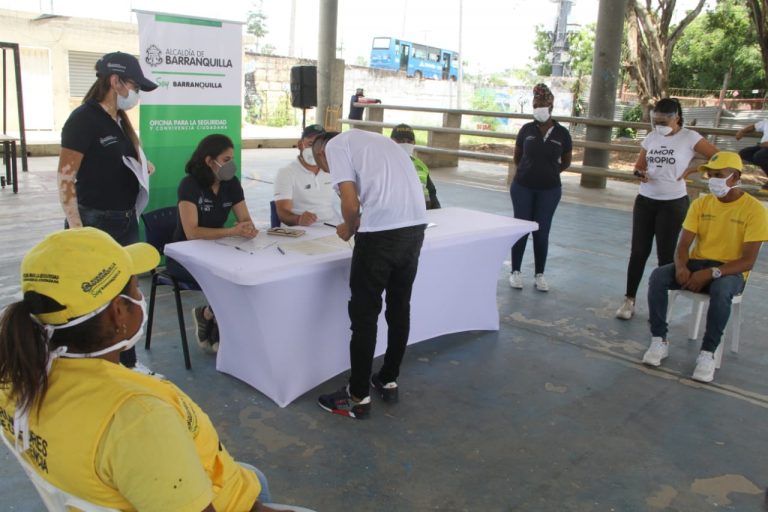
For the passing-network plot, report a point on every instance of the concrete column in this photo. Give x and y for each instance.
(605, 74)
(444, 140)
(326, 56)
(376, 115)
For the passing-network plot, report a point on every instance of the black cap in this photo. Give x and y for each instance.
(124, 65)
(312, 130)
(403, 132)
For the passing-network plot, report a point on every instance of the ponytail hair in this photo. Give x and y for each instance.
(25, 347)
(670, 106)
(23, 355)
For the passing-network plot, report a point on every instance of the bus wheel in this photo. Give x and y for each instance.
(418, 74)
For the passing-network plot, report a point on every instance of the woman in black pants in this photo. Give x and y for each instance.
(662, 201)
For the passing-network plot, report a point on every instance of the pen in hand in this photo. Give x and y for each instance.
(329, 224)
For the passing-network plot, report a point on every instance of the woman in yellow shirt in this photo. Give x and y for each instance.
(141, 443)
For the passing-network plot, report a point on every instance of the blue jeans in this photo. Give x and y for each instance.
(538, 205)
(382, 260)
(123, 226)
(757, 155)
(721, 291)
(264, 496)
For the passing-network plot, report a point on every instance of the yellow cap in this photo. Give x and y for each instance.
(723, 160)
(75, 271)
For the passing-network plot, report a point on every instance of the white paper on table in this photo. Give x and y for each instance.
(139, 168)
(248, 245)
(323, 245)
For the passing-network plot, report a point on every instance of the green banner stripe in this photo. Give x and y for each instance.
(186, 21)
(185, 73)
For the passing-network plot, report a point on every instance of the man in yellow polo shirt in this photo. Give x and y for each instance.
(728, 226)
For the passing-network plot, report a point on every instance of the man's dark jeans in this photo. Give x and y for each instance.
(721, 291)
(381, 261)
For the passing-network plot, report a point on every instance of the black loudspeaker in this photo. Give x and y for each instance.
(304, 86)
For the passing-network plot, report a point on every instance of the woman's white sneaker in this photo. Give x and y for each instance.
(627, 309)
(516, 280)
(541, 283)
(657, 352)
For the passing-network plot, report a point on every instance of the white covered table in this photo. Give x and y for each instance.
(283, 318)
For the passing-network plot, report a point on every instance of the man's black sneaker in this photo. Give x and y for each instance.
(387, 391)
(342, 403)
(202, 326)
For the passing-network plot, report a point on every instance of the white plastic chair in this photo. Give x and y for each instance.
(699, 305)
(55, 499)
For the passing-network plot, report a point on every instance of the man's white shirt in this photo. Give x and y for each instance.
(390, 192)
(308, 191)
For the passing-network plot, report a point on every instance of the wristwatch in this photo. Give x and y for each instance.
(716, 273)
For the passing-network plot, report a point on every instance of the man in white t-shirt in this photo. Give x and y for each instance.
(757, 154)
(372, 172)
(303, 194)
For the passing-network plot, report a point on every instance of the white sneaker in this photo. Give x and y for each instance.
(140, 368)
(516, 280)
(657, 352)
(627, 309)
(541, 283)
(705, 367)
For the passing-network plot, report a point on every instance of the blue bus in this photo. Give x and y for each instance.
(415, 59)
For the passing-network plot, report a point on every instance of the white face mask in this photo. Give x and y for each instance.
(308, 156)
(664, 130)
(128, 102)
(407, 147)
(718, 186)
(541, 114)
(127, 343)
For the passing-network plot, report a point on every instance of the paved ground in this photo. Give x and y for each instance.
(551, 413)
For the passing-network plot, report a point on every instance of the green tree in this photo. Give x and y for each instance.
(758, 10)
(257, 25)
(718, 43)
(581, 47)
(581, 44)
(651, 39)
(542, 44)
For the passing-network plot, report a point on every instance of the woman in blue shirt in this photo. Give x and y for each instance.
(542, 151)
(206, 195)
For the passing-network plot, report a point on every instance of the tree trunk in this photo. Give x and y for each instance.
(650, 41)
(758, 10)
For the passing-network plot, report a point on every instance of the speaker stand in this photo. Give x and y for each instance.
(303, 118)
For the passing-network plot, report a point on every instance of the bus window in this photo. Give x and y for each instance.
(381, 43)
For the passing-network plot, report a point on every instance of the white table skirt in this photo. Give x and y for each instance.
(283, 318)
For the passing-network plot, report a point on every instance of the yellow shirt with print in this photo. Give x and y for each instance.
(127, 441)
(722, 228)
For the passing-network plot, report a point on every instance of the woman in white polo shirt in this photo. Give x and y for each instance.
(662, 201)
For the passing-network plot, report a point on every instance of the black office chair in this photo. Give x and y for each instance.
(158, 228)
(274, 219)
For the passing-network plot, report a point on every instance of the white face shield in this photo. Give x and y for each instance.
(663, 123)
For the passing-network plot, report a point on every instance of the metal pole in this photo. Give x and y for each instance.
(5, 110)
(461, 55)
(20, 100)
(292, 33)
(605, 77)
(326, 55)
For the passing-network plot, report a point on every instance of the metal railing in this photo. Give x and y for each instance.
(443, 142)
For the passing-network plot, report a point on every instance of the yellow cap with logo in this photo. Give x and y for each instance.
(76, 271)
(723, 160)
